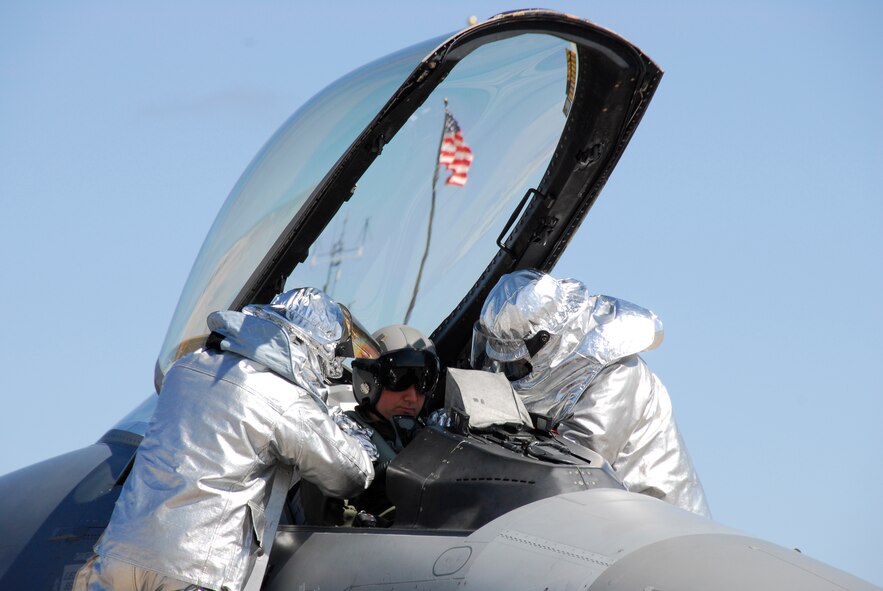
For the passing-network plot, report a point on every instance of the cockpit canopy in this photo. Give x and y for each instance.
(349, 194)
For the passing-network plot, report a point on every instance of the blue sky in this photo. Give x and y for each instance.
(746, 212)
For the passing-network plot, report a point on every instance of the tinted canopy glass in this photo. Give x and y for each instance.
(406, 246)
(275, 186)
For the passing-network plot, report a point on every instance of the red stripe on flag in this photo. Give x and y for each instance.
(454, 154)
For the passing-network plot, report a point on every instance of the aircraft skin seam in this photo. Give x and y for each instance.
(555, 547)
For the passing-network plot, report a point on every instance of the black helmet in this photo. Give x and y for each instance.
(407, 358)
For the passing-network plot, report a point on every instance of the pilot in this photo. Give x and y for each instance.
(573, 359)
(229, 416)
(393, 393)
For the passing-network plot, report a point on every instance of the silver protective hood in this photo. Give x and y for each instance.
(295, 336)
(586, 333)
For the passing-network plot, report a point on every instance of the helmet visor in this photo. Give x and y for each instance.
(399, 370)
(511, 357)
(356, 341)
(488, 349)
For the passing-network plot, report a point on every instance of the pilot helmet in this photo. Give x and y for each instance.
(523, 312)
(407, 358)
(326, 328)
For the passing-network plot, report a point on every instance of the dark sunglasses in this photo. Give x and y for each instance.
(399, 370)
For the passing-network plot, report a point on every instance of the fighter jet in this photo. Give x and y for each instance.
(405, 190)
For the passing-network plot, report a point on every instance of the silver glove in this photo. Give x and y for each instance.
(354, 430)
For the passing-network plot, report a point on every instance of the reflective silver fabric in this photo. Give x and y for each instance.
(626, 416)
(589, 377)
(355, 430)
(307, 316)
(257, 335)
(193, 506)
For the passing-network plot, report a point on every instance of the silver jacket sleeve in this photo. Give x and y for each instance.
(193, 506)
(626, 416)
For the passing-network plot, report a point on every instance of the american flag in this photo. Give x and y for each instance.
(455, 155)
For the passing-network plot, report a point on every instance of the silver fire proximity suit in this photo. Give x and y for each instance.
(192, 510)
(584, 374)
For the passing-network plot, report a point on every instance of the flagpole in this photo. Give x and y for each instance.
(441, 140)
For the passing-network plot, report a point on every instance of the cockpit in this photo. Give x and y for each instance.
(481, 456)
